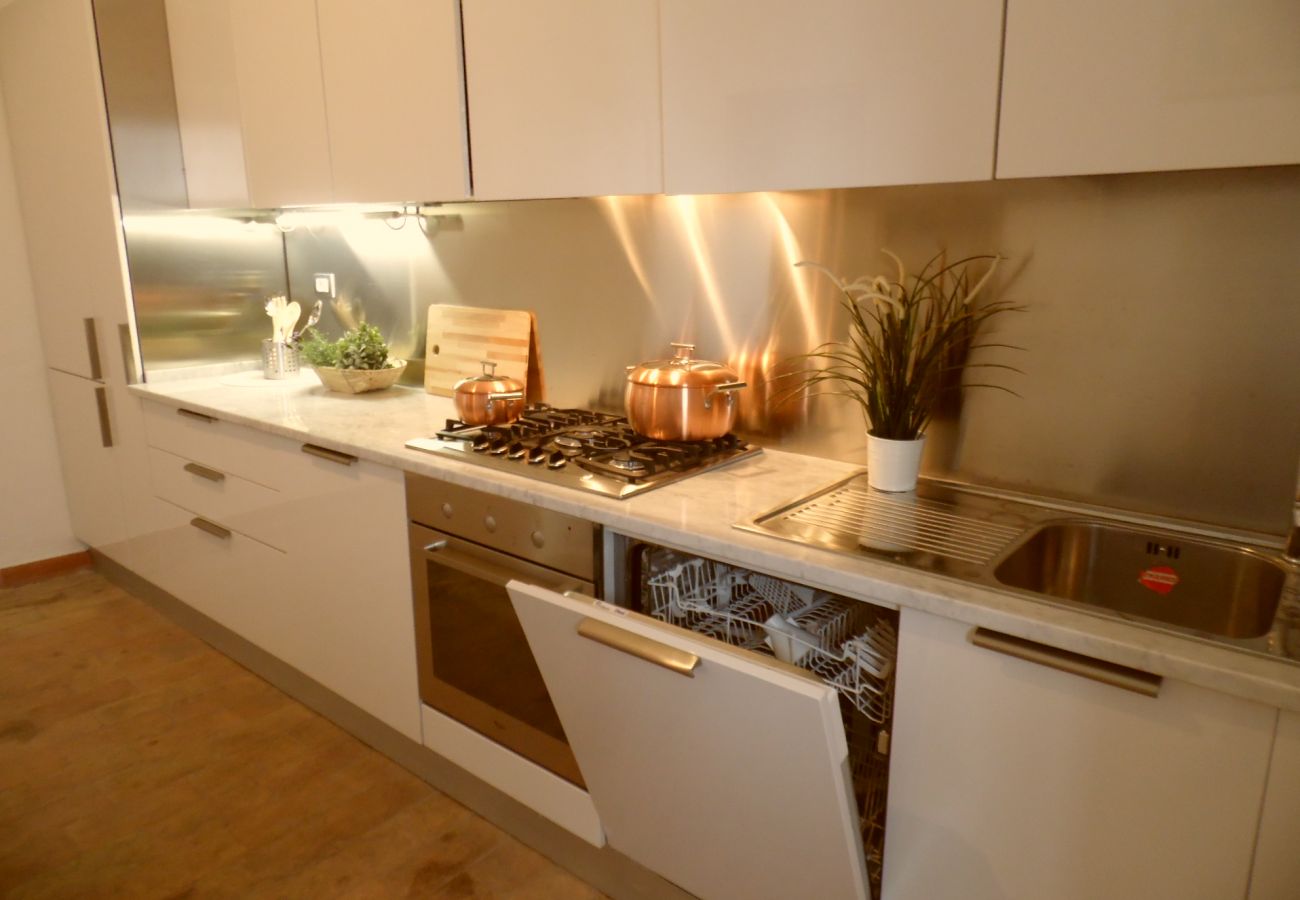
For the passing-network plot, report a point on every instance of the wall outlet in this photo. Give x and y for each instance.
(324, 284)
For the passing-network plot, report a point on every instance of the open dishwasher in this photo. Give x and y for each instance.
(732, 728)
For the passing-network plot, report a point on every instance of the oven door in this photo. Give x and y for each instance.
(474, 661)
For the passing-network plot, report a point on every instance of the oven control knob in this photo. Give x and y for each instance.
(490, 523)
(539, 539)
(446, 510)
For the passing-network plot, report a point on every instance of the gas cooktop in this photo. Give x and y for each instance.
(591, 451)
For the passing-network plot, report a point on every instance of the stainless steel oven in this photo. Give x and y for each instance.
(474, 661)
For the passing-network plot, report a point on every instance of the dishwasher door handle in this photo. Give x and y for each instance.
(662, 655)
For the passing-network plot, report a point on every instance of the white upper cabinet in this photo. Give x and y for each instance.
(395, 99)
(282, 102)
(1122, 86)
(295, 102)
(49, 70)
(207, 103)
(768, 94)
(563, 97)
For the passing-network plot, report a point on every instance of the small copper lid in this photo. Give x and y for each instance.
(489, 382)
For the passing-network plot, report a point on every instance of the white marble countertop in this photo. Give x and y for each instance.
(696, 515)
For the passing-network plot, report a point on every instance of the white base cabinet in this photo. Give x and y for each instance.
(1277, 855)
(304, 555)
(1011, 781)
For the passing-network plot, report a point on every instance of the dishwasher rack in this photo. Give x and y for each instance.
(849, 644)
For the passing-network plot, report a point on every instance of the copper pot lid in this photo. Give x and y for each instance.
(489, 382)
(681, 371)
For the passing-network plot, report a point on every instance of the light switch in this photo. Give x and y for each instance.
(324, 283)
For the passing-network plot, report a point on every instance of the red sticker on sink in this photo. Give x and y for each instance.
(1160, 579)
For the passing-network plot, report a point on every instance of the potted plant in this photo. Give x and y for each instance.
(908, 337)
(355, 363)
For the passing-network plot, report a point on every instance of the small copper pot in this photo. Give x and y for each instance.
(681, 399)
(489, 399)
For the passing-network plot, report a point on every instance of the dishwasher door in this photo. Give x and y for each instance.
(723, 771)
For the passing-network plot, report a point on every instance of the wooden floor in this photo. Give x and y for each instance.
(135, 761)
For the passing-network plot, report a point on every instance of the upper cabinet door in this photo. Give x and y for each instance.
(282, 101)
(563, 98)
(53, 97)
(207, 103)
(1122, 86)
(729, 778)
(769, 94)
(394, 93)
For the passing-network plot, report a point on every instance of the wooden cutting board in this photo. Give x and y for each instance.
(461, 337)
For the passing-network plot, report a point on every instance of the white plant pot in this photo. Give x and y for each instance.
(893, 465)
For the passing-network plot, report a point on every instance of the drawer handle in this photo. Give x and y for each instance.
(92, 350)
(1109, 673)
(204, 472)
(343, 459)
(191, 414)
(211, 528)
(105, 423)
(661, 655)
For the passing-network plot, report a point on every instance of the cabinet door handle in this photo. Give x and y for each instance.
(204, 472)
(92, 349)
(105, 424)
(211, 528)
(343, 459)
(641, 647)
(191, 414)
(1065, 661)
(128, 355)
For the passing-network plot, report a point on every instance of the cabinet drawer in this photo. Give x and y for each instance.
(233, 449)
(222, 573)
(295, 468)
(235, 502)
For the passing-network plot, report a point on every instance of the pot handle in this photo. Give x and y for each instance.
(508, 395)
(727, 389)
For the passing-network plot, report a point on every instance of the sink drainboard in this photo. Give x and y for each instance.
(902, 522)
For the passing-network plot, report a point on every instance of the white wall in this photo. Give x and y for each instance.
(34, 521)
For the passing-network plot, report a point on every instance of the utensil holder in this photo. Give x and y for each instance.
(279, 360)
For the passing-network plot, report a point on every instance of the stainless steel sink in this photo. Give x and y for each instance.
(1200, 583)
(1161, 576)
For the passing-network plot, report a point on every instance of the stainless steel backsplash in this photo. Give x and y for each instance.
(1161, 323)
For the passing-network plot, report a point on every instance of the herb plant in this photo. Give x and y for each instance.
(363, 348)
(907, 337)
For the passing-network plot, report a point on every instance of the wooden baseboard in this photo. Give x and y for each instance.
(26, 573)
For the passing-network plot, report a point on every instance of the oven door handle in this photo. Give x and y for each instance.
(441, 553)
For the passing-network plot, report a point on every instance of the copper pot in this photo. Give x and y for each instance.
(489, 399)
(681, 399)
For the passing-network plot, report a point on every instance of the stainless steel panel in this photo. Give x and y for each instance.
(138, 90)
(200, 283)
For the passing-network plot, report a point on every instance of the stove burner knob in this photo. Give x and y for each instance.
(497, 447)
(490, 523)
(515, 451)
(557, 460)
(447, 510)
(539, 539)
(537, 455)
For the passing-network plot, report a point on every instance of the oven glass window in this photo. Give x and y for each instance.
(479, 648)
